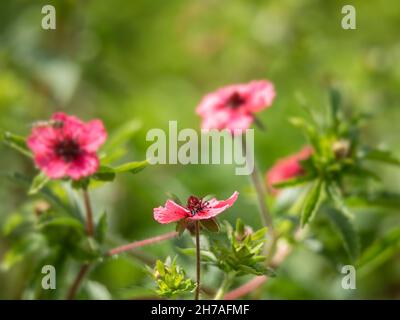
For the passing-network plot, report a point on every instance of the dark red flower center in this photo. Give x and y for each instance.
(195, 205)
(67, 149)
(235, 101)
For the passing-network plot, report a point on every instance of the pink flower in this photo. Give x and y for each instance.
(287, 168)
(233, 107)
(196, 209)
(66, 146)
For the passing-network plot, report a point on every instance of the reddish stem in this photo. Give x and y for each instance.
(89, 213)
(248, 287)
(78, 280)
(141, 243)
(197, 230)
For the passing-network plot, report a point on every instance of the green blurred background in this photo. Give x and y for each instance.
(151, 61)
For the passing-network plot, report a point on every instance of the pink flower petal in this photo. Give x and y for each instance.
(260, 96)
(215, 207)
(52, 167)
(84, 166)
(41, 139)
(171, 212)
(93, 136)
(287, 168)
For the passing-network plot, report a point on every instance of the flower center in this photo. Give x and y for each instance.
(235, 101)
(195, 205)
(67, 149)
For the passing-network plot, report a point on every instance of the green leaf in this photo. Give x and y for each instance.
(46, 192)
(105, 174)
(160, 267)
(17, 143)
(311, 203)
(80, 184)
(132, 167)
(379, 252)
(210, 224)
(259, 234)
(67, 222)
(38, 183)
(336, 196)
(335, 102)
(101, 228)
(347, 231)
(28, 245)
(382, 156)
(378, 199)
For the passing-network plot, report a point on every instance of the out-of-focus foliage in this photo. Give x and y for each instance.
(171, 279)
(138, 64)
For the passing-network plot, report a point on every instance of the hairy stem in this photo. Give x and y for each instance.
(141, 243)
(89, 213)
(77, 282)
(197, 293)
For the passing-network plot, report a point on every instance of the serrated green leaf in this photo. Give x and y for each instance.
(38, 183)
(17, 143)
(311, 203)
(132, 167)
(347, 231)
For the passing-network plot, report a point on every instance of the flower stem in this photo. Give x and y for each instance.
(261, 196)
(77, 282)
(197, 231)
(265, 214)
(141, 243)
(89, 213)
(248, 287)
(224, 287)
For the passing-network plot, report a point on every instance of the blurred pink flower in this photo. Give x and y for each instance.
(287, 168)
(66, 146)
(233, 107)
(196, 209)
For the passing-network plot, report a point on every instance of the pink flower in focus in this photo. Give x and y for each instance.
(66, 146)
(287, 168)
(232, 107)
(196, 209)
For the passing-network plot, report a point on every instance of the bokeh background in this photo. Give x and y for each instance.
(148, 62)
